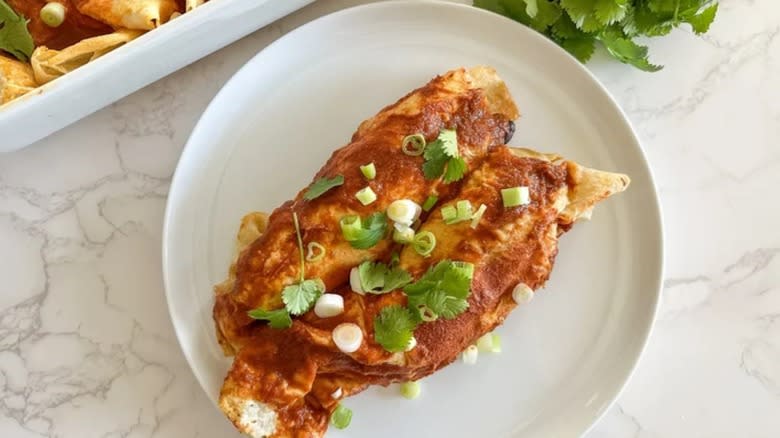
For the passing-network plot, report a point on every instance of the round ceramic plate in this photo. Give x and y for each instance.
(566, 355)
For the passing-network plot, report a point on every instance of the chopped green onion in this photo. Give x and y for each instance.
(424, 243)
(369, 171)
(403, 235)
(364, 233)
(515, 196)
(366, 195)
(460, 213)
(426, 313)
(485, 343)
(351, 227)
(403, 211)
(430, 202)
(496, 343)
(410, 390)
(413, 145)
(478, 215)
(341, 417)
(470, 355)
(449, 213)
(315, 252)
(53, 14)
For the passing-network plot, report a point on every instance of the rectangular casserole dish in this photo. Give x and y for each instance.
(144, 60)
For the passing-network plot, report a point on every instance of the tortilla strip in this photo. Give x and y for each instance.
(129, 14)
(48, 64)
(16, 79)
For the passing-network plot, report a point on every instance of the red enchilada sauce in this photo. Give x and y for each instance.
(75, 28)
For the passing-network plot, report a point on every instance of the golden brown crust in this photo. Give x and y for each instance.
(129, 14)
(16, 79)
(48, 64)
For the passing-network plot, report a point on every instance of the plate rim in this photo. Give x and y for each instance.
(657, 218)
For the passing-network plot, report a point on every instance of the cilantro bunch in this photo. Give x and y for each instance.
(580, 25)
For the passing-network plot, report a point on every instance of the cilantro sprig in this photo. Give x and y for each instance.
(394, 328)
(580, 25)
(364, 233)
(379, 278)
(442, 158)
(298, 298)
(322, 185)
(441, 292)
(14, 36)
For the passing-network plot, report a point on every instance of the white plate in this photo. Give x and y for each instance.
(566, 355)
(130, 67)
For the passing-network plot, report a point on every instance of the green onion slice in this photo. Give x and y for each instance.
(449, 213)
(351, 227)
(53, 14)
(366, 195)
(460, 213)
(413, 145)
(424, 243)
(341, 417)
(403, 235)
(478, 215)
(430, 202)
(496, 343)
(426, 314)
(410, 390)
(315, 252)
(515, 196)
(369, 171)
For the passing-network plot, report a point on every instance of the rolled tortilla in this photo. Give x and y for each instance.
(129, 14)
(16, 79)
(48, 64)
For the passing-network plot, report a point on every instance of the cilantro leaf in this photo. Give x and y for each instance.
(456, 170)
(627, 51)
(610, 11)
(443, 290)
(14, 36)
(322, 185)
(278, 319)
(370, 232)
(298, 298)
(442, 158)
(394, 328)
(580, 48)
(378, 278)
(701, 22)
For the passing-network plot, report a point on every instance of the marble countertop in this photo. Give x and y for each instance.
(87, 348)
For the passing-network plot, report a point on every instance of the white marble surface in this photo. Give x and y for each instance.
(87, 349)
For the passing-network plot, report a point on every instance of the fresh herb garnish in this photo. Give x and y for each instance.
(364, 233)
(299, 297)
(578, 25)
(442, 291)
(379, 278)
(14, 36)
(341, 417)
(278, 319)
(322, 185)
(394, 328)
(442, 158)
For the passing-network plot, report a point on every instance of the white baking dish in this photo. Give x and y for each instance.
(130, 67)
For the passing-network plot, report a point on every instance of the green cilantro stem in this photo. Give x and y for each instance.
(300, 244)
